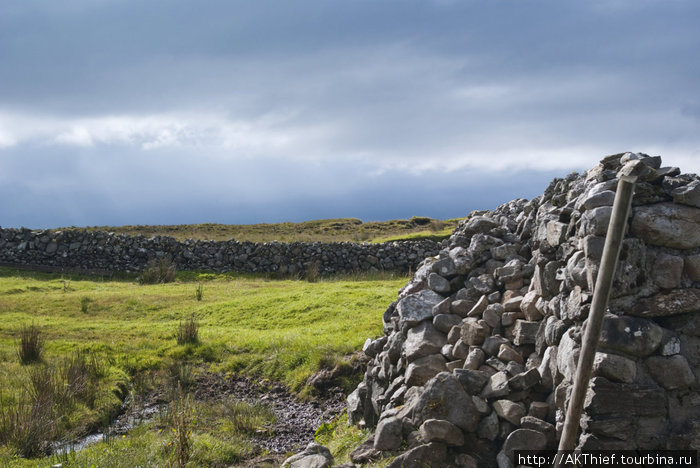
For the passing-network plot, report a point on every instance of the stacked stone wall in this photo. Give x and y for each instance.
(108, 252)
(480, 348)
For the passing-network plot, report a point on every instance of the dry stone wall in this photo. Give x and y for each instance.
(480, 348)
(103, 251)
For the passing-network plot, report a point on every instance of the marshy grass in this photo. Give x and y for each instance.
(188, 331)
(30, 345)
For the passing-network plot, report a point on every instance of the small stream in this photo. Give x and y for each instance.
(124, 423)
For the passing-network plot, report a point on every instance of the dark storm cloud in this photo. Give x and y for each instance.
(320, 102)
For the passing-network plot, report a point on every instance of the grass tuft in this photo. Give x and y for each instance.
(188, 332)
(31, 344)
(158, 270)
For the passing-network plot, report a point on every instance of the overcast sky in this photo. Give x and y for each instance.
(166, 112)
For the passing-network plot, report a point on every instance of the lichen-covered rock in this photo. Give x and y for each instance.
(668, 225)
(444, 398)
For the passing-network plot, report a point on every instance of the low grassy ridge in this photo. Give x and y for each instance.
(325, 230)
(113, 333)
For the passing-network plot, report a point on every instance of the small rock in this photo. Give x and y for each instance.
(438, 430)
(671, 372)
(388, 435)
(510, 411)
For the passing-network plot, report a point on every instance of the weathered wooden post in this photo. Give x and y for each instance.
(601, 294)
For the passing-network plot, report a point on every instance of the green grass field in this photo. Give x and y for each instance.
(324, 230)
(283, 330)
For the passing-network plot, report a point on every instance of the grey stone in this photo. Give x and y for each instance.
(604, 198)
(595, 222)
(506, 353)
(474, 331)
(556, 233)
(525, 380)
(671, 372)
(426, 455)
(492, 315)
(513, 304)
(479, 307)
(438, 284)
(461, 350)
(417, 307)
(488, 427)
(455, 333)
(540, 425)
(482, 407)
(510, 411)
(438, 430)
(472, 380)
(421, 370)
(313, 456)
(483, 283)
(668, 225)
(475, 359)
(460, 307)
(667, 271)
(678, 301)
(464, 460)
(497, 386)
(567, 355)
(538, 409)
(630, 335)
(554, 330)
(492, 344)
(445, 322)
(443, 307)
(388, 435)
(524, 439)
(444, 398)
(688, 194)
(528, 306)
(692, 267)
(604, 400)
(445, 267)
(614, 367)
(525, 332)
(423, 340)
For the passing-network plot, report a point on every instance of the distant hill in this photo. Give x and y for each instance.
(324, 230)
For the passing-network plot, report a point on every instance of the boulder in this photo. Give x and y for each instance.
(430, 454)
(423, 340)
(438, 284)
(417, 307)
(525, 332)
(667, 271)
(388, 435)
(614, 367)
(438, 430)
(444, 398)
(672, 372)
(667, 225)
(313, 456)
(423, 369)
(524, 439)
(630, 335)
(474, 331)
(678, 301)
(497, 386)
(688, 194)
(510, 411)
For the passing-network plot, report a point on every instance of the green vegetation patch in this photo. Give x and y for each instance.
(101, 336)
(322, 230)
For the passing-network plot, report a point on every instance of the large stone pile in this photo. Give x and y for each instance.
(480, 348)
(104, 251)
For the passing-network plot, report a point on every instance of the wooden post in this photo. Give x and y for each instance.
(601, 294)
